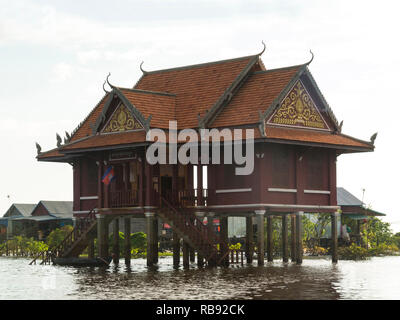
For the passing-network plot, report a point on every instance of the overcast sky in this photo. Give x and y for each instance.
(55, 55)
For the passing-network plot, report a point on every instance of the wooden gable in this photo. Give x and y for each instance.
(298, 110)
(121, 120)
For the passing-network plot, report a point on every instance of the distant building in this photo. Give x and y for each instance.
(36, 220)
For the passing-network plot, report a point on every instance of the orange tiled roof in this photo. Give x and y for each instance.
(159, 105)
(197, 87)
(110, 139)
(184, 93)
(255, 95)
(314, 136)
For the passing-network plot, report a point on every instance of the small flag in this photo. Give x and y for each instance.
(108, 176)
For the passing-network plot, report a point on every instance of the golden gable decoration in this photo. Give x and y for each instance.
(122, 120)
(299, 110)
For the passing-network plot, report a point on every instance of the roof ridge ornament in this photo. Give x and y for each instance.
(141, 68)
(312, 58)
(263, 50)
(373, 137)
(108, 82)
(38, 148)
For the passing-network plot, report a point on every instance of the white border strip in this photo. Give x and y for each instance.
(89, 198)
(282, 190)
(317, 191)
(233, 190)
(85, 211)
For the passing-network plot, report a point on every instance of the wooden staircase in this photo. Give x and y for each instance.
(74, 243)
(195, 233)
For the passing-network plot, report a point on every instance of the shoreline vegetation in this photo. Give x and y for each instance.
(376, 239)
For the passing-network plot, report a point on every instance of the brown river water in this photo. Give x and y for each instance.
(377, 278)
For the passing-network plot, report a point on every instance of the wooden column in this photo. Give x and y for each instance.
(152, 238)
(285, 253)
(91, 248)
(260, 236)
(102, 236)
(116, 241)
(99, 184)
(142, 191)
(149, 184)
(249, 239)
(175, 173)
(269, 239)
(176, 249)
(293, 249)
(128, 247)
(299, 238)
(334, 234)
(185, 253)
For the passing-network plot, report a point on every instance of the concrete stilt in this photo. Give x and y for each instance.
(176, 244)
(128, 247)
(249, 239)
(334, 231)
(260, 236)
(102, 236)
(116, 241)
(293, 249)
(185, 253)
(91, 248)
(269, 239)
(299, 237)
(152, 238)
(285, 253)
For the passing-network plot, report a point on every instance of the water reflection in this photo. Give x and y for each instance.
(315, 279)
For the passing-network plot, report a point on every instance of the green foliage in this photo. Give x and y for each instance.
(353, 252)
(58, 235)
(138, 244)
(236, 246)
(22, 246)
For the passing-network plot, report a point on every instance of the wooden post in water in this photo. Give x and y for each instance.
(185, 253)
(176, 248)
(269, 239)
(223, 222)
(334, 234)
(293, 249)
(249, 239)
(128, 246)
(299, 237)
(260, 236)
(116, 240)
(285, 253)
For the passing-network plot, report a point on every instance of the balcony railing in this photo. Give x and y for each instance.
(192, 197)
(123, 198)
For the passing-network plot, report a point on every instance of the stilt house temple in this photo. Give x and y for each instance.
(297, 140)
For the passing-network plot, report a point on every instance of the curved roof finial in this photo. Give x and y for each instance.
(265, 47)
(109, 74)
(312, 58)
(104, 89)
(141, 68)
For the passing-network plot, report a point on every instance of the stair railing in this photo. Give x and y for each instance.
(75, 234)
